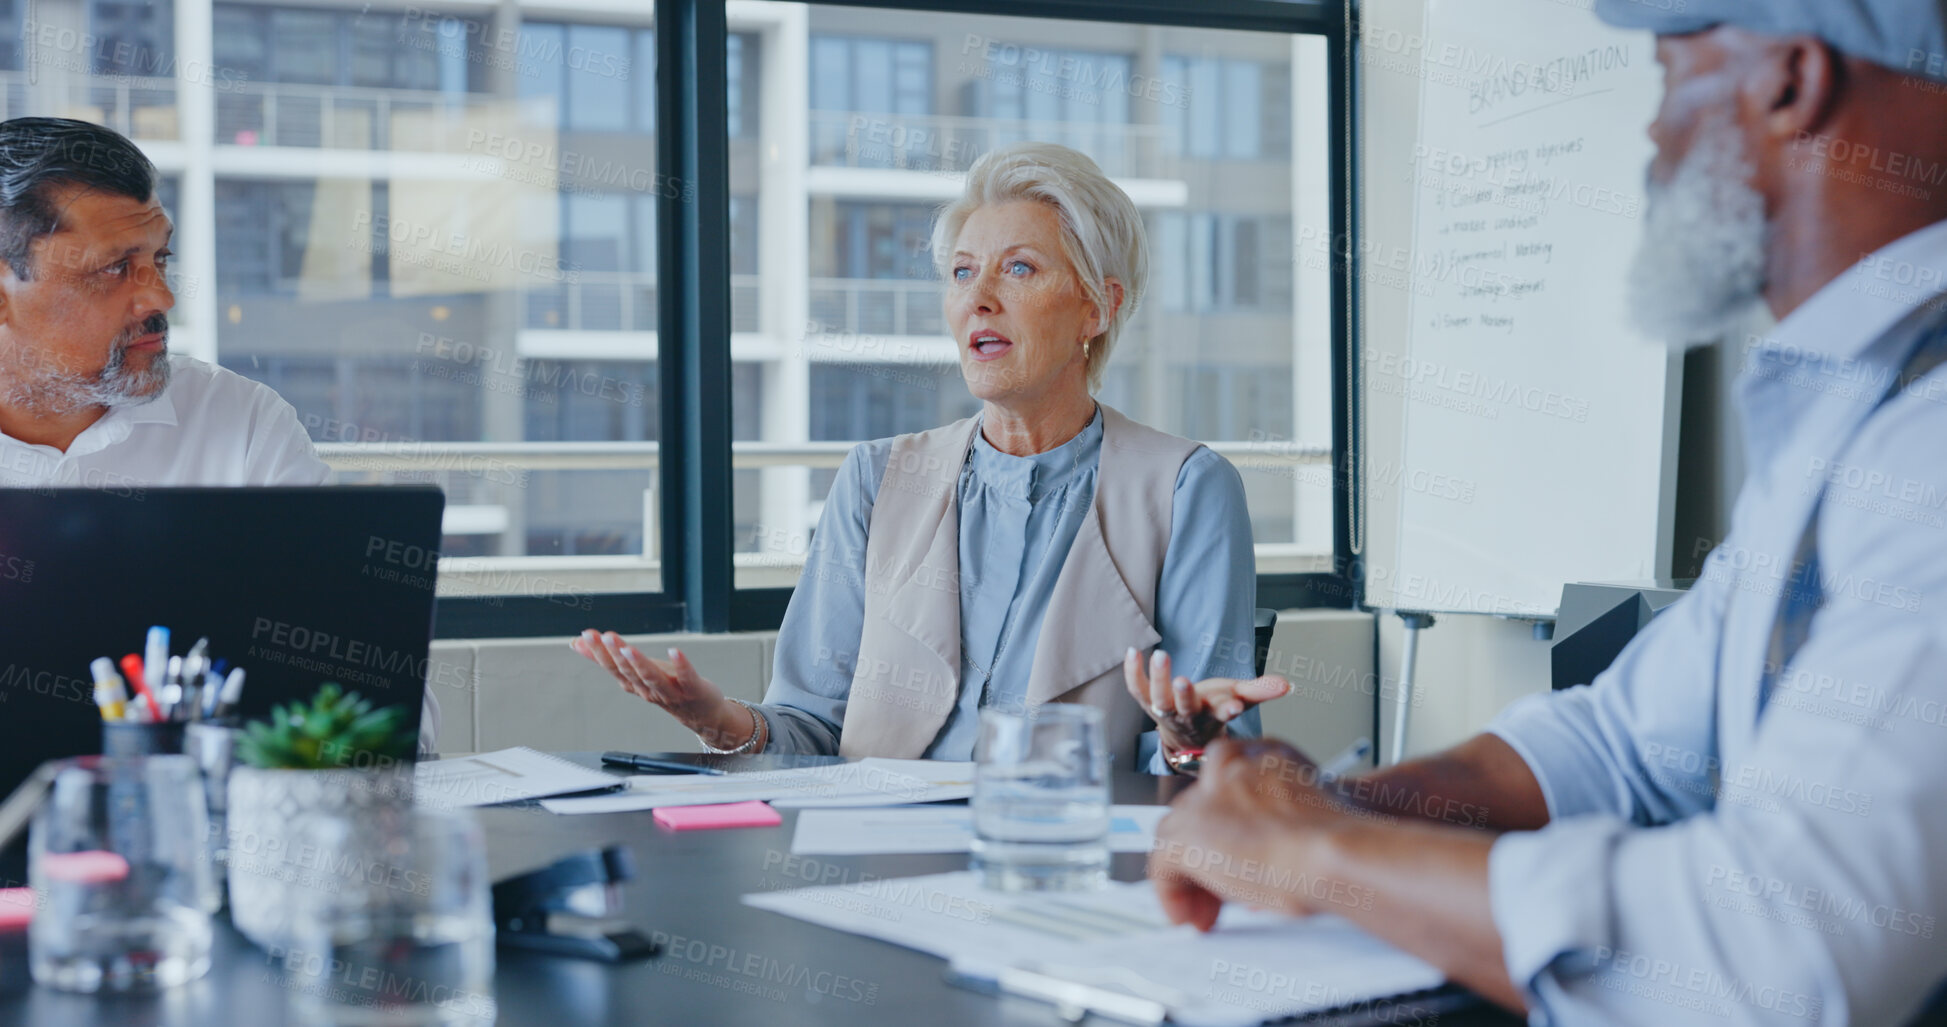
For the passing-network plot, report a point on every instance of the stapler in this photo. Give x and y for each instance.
(566, 907)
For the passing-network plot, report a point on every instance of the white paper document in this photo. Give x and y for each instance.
(938, 829)
(483, 779)
(868, 782)
(1255, 967)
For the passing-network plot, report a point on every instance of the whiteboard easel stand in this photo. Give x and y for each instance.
(1409, 654)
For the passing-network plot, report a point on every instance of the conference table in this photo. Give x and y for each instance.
(686, 891)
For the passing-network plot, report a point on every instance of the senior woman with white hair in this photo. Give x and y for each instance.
(1029, 554)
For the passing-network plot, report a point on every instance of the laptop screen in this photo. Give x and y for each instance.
(297, 586)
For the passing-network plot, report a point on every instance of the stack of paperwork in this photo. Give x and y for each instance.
(868, 782)
(859, 832)
(1114, 951)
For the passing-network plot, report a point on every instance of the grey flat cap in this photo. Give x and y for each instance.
(1905, 35)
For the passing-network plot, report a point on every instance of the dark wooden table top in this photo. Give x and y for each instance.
(725, 963)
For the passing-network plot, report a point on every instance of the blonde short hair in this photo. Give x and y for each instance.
(1101, 229)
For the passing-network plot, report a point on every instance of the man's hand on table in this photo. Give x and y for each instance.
(1247, 832)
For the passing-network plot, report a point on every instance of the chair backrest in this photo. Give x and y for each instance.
(1267, 621)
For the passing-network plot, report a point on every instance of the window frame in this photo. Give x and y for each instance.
(696, 486)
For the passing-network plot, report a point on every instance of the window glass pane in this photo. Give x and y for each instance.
(541, 68)
(645, 83)
(872, 75)
(1196, 124)
(598, 87)
(733, 99)
(303, 46)
(643, 252)
(1207, 100)
(455, 321)
(478, 314)
(1243, 109)
(133, 38)
(10, 34)
(452, 69)
(237, 40)
(372, 43)
(593, 237)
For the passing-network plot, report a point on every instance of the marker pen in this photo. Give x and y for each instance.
(132, 668)
(109, 693)
(155, 659)
(226, 703)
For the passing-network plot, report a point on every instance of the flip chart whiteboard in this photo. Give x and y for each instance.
(1518, 433)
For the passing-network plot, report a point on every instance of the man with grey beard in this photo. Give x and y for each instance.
(89, 393)
(1744, 819)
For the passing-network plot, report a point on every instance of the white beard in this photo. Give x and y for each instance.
(56, 392)
(1700, 267)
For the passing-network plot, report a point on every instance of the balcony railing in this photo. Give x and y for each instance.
(949, 144)
(870, 306)
(484, 473)
(137, 107)
(348, 117)
(619, 301)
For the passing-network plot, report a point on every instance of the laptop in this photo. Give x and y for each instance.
(298, 586)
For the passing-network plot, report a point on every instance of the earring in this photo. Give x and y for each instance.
(1085, 343)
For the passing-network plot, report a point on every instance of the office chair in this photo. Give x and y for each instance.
(1267, 621)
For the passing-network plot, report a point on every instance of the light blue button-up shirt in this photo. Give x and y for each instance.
(1749, 808)
(1018, 517)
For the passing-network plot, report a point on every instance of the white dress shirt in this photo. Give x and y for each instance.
(1749, 808)
(210, 426)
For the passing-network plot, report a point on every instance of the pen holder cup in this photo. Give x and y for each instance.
(16, 907)
(124, 738)
(213, 746)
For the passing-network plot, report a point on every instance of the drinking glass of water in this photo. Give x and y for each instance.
(119, 857)
(394, 923)
(1041, 800)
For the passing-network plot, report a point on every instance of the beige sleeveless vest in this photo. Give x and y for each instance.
(907, 679)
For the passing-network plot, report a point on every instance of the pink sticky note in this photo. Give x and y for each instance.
(16, 908)
(729, 814)
(94, 867)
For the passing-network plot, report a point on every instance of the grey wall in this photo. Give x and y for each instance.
(537, 692)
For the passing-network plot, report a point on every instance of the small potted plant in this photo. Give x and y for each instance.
(336, 756)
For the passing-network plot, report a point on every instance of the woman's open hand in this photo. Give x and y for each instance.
(672, 684)
(1189, 715)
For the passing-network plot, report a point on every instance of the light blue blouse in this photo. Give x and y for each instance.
(1018, 517)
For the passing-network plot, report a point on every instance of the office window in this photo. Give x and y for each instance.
(263, 237)
(598, 76)
(861, 73)
(415, 49)
(1232, 109)
(598, 93)
(303, 46)
(592, 401)
(132, 38)
(433, 228)
(645, 84)
(341, 79)
(455, 321)
(855, 76)
(539, 76)
(1221, 349)
(1212, 263)
(10, 43)
(1059, 96)
(872, 240)
(742, 61)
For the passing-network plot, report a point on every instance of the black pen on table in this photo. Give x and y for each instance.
(638, 762)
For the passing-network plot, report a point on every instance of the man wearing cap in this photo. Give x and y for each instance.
(1744, 819)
